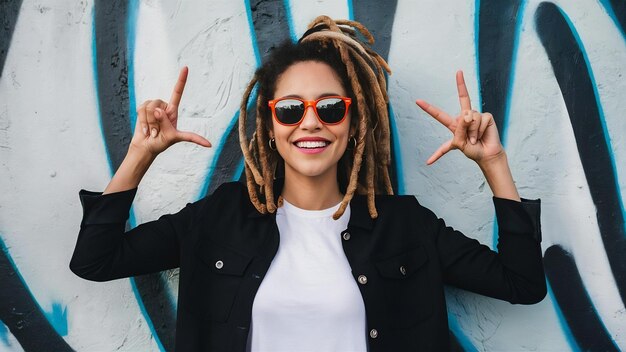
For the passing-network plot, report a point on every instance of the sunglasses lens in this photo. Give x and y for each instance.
(331, 110)
(289, 111)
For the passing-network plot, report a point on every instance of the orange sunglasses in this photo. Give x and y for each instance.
(331, 110)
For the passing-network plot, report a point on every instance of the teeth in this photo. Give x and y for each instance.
(311, 144)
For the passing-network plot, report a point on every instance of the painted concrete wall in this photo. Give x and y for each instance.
(72, 72)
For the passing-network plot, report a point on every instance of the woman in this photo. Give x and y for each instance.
(314, 253)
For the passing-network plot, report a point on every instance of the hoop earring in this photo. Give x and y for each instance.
(353, 141)
(272, 147)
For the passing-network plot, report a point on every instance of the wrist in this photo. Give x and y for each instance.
(139, 155)
(136, 163)
(498, 176)
(494, 163)
(131, 171)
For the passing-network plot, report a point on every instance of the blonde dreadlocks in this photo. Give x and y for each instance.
(362, 71)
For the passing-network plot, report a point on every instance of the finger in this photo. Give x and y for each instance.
(443, 149)
(460, 135)
(464, 98)
(193, 138)
(486, 121)
(435, 112)
(153, 117)
(177, 94)
(141, 118)
(474, 125)
(159, 115)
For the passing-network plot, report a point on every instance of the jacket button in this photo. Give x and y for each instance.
(362, 279)
(403, 270)
(346, 236)
(373, 333)
(219, 264)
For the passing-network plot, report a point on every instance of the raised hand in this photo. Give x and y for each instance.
(474, 133)
(156, 127)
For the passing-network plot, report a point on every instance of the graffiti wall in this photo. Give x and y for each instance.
(73, 71)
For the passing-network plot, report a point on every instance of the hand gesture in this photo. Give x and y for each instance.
(474, 134)
(156, 127)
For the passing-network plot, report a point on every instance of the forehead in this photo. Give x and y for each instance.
(309, 80)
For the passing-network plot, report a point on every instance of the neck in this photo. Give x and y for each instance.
(312, 193)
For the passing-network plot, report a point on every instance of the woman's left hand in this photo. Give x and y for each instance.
(474, 133)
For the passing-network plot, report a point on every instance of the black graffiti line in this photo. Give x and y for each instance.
(617, 8)
(574, 302)
(497, 32)
(112, 77)
(378, 17)
(271, 27)
(573, 74)
(20, 312)
(497, 39)
(9, 12)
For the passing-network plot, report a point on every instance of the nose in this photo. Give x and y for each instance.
(310, 121)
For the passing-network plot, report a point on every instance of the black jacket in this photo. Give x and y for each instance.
(401, 261)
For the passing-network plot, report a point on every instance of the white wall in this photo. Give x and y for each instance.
(52, 145)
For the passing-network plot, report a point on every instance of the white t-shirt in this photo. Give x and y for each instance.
(309, 300)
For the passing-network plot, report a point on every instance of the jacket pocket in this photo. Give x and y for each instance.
(216, 279)
(405, 284)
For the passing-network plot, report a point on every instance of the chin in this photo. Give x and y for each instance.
(313, 170)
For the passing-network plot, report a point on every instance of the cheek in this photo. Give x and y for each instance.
(281, 134)
(343, 134)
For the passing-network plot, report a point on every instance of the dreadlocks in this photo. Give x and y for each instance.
(361, 69)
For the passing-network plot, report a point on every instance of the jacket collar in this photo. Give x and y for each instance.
(359, 214)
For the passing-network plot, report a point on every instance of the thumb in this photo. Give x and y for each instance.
(193, 138)
(460, 134)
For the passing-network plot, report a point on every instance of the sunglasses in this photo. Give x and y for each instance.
(330, 110)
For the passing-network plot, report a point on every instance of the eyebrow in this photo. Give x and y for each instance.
(328, 94)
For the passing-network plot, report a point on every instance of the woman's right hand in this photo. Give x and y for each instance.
(156, 127)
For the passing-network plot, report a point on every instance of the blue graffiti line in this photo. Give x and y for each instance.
(204, 190)
(255, 46)
(292, 29)
(145, 314)
(512, 75)
(131, 34)
(463, 340)
(57, 318)
(398, 151)
(477, 53)
(142, 307)
(609, 10)
(507, 102)
(94, 63)
(4, 334)
(350, 10)
(494, 236)
(234, 120)
(238, 171)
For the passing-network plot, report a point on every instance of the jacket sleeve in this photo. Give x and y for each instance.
(514, 273)
(105, 251)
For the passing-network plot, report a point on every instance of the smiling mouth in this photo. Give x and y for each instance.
(311, 144)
